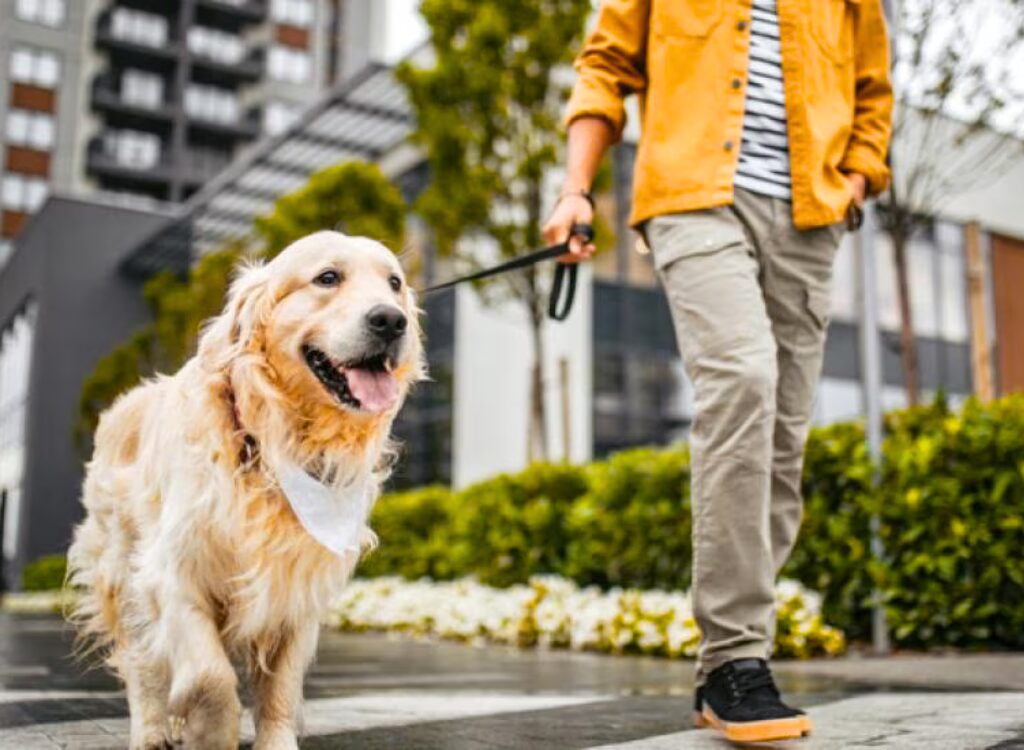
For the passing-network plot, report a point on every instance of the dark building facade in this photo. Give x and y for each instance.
(64, 303)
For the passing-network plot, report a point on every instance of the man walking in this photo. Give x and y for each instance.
(765, 124)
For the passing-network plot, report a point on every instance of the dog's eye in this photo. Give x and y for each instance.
(328, 278)
(396, 282)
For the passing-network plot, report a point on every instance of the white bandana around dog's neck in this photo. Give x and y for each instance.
(333, 517)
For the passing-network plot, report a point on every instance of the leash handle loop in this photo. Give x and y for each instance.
(570, 270)
(563, 270)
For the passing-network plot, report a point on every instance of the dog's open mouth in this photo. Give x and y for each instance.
(368, 384)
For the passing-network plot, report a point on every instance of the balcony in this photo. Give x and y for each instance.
(230, 14)
(204, 129)
(107, 98)
(215, 117)
(135, 49)
(100, 162)
(197, 167)
(206, 69)
(200, 165)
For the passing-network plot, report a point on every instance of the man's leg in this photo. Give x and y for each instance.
(710, 274)
(797, 283)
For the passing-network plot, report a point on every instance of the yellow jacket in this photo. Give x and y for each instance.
(687, 59)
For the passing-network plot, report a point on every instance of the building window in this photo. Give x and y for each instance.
(278, 116)
(30, 129)
(216, 45)
(288, 64)
(142, 89)
(15, 376)
(133, 148)
(136, 26)
(211, 103)
(292, 12)
(23, 193)
(34, 66)
(46, 12)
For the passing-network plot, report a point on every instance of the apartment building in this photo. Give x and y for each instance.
(151, 98)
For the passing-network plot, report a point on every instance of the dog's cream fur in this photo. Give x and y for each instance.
(190, 561)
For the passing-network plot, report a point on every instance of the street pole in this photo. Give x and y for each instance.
(871, 387)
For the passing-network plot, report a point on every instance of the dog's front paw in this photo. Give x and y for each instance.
(154, 742)
(276, 738)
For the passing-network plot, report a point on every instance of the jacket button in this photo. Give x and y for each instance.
(741, 25)
(728, 145)
(736, 83)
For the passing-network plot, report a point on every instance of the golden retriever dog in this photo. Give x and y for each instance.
(226, 505)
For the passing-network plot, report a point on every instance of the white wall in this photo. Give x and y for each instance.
(493, 362)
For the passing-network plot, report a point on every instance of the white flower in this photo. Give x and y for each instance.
(553, 611)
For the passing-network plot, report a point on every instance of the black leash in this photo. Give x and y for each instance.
(562, 270)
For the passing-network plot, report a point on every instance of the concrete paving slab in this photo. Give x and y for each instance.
(906, 721)
(369, 692)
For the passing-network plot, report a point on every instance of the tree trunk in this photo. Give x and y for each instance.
(908, 344)
(537, 445)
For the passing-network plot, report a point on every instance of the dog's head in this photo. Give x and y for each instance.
(333, 319)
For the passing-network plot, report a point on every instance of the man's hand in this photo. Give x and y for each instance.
(858, 187)
(572, 208)
(589, 138)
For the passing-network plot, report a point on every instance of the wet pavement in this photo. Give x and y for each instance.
(370, 691)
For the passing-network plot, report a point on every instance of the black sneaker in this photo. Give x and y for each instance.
(740, 699)
(698, 708)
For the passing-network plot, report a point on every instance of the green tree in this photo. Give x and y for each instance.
(353, 197)
(487, 115)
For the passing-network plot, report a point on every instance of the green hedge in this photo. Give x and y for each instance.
(415, 524)
(44, 574)
(951, 506)
(632, 528)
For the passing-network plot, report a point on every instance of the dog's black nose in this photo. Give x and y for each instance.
(386, 322)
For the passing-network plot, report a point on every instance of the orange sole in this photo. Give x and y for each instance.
(758, 731)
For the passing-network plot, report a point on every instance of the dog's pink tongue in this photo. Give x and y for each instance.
(376, 391)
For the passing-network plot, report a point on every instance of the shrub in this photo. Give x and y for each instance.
(632, 526)
(513, 526)
(44, 574)
(952, 521)
(832, 554)
(417, 526)
(950, 504)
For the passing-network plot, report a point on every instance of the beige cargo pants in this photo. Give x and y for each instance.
(749, 296)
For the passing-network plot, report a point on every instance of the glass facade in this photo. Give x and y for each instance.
(424, 426)
(15, 369)
(641, 395)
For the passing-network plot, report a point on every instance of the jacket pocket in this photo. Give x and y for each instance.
(832, 27)
(685, 17)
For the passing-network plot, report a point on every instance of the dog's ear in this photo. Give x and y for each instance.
(245, 313)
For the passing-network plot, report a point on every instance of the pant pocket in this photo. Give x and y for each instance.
(673, 237)
(819, 304)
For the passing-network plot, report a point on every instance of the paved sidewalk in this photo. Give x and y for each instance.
(369, 692)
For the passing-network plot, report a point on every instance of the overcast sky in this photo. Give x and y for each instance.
(405, 28)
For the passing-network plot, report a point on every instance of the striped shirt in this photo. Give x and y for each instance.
(764, 152)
